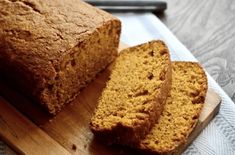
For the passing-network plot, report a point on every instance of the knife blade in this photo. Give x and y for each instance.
(129, 5)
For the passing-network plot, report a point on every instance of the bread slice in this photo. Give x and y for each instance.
(135, 94)
(182, 109)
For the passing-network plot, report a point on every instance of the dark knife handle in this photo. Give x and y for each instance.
(129, 5)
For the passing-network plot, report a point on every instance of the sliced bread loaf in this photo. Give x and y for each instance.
(182, 109)
(135, 94)
(50, 50)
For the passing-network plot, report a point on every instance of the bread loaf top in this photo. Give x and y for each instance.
(35, 35)
(46, 28)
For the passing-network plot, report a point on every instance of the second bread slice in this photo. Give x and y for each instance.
(135, 94)
(181, 112)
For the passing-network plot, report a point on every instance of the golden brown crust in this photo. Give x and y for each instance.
(125, 126)
(190, 84)
(40, 41)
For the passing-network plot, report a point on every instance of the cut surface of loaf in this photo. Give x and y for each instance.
(182, 109)
(135, 94)
(51, 49)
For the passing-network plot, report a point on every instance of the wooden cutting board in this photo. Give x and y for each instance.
(28, 129)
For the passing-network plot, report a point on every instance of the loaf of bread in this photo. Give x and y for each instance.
(52, 49)
(135, 94)
(182, 109)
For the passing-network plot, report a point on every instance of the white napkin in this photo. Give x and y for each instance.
(219, 136)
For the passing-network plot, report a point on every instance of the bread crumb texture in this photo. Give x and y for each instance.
(182, 109)
(128, 105)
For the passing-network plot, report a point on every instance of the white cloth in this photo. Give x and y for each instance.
(218, 138)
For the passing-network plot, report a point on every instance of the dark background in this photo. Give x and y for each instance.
(207, 29)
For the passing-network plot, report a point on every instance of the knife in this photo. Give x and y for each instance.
(129, 5)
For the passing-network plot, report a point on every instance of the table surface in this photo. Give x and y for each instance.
(207, 29)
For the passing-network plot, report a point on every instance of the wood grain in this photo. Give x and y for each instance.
(23, 135)
(207, 28)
